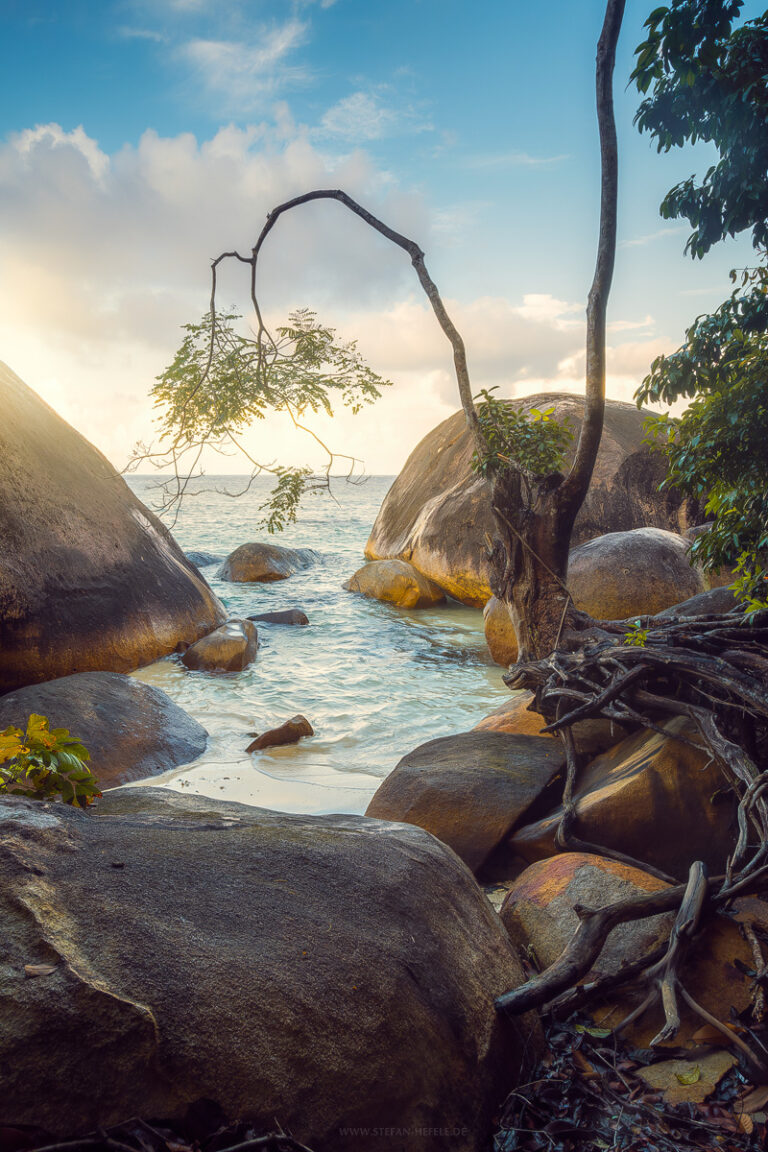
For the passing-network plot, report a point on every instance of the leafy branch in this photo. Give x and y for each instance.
(44, 763)
(221, 381)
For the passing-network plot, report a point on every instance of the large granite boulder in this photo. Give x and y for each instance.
(259, 563)
(89, 578)
(131, 730)
(437, 513)
(658, 797)
(322, 973)
(636, 573)
(469, 790)
(395, 582)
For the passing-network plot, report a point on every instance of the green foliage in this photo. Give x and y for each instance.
(42, 764)
(708, 80)
(534, 441)
(221, 381)
(636, 636)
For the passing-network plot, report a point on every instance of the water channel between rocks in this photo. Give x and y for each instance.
(374, 681)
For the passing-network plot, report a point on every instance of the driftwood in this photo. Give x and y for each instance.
(713, 671)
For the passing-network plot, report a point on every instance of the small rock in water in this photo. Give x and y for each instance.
(230, 648)
(286, 616)
(264, 563)
(202, 559)
(290, 732)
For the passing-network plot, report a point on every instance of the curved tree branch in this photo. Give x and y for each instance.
(426, 281)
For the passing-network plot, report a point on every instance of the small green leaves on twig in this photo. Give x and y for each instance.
(533, 441)
(636, 635)
(42, 764)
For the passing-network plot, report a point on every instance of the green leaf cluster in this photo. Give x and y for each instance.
(636, 636)
(44, 763)
(533, 441)
(708, 80)
(220, 381)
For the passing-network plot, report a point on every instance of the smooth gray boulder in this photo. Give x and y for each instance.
(131, 730)
(321, 973)
(89, 578)
(469, 790)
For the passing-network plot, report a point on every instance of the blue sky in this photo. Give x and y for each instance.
(141, 138)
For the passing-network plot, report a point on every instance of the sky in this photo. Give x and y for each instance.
(139, 139)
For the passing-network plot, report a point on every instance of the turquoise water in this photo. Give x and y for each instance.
(374, 681)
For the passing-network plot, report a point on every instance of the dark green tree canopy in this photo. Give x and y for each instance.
(707, 79)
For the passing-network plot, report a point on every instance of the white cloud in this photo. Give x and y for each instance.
(360, 116)
(513, 160)
(245, 73)
(363, 116)
(52, 136)
(659, 234)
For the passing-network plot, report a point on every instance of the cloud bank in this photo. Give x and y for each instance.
(104, 256)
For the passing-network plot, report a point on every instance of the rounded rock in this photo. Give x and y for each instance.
(230, 648)
(625, 574)
(132, 730)
(395, 582)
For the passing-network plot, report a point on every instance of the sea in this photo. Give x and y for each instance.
(374, 681)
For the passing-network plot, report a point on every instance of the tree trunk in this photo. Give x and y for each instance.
(529, 562)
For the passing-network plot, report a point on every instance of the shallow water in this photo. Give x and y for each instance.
(374, 681)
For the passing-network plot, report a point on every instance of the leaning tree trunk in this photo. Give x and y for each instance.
(535, 515)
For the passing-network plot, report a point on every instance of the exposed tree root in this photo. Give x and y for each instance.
(714, 672)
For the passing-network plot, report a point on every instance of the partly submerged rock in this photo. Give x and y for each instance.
(289, 616)
(89, 578)
(290, 732)
(230, 648)
(395, 582)
(203, 559)
(500, 633)
(437, 514)
(321, 973)
(657, 797)
(131, 730)
(469, 790)
(265, 563)
(636, 573)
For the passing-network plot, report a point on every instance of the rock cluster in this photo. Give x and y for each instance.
(437, 513)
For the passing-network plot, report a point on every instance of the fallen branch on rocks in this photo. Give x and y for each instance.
(712, 670)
